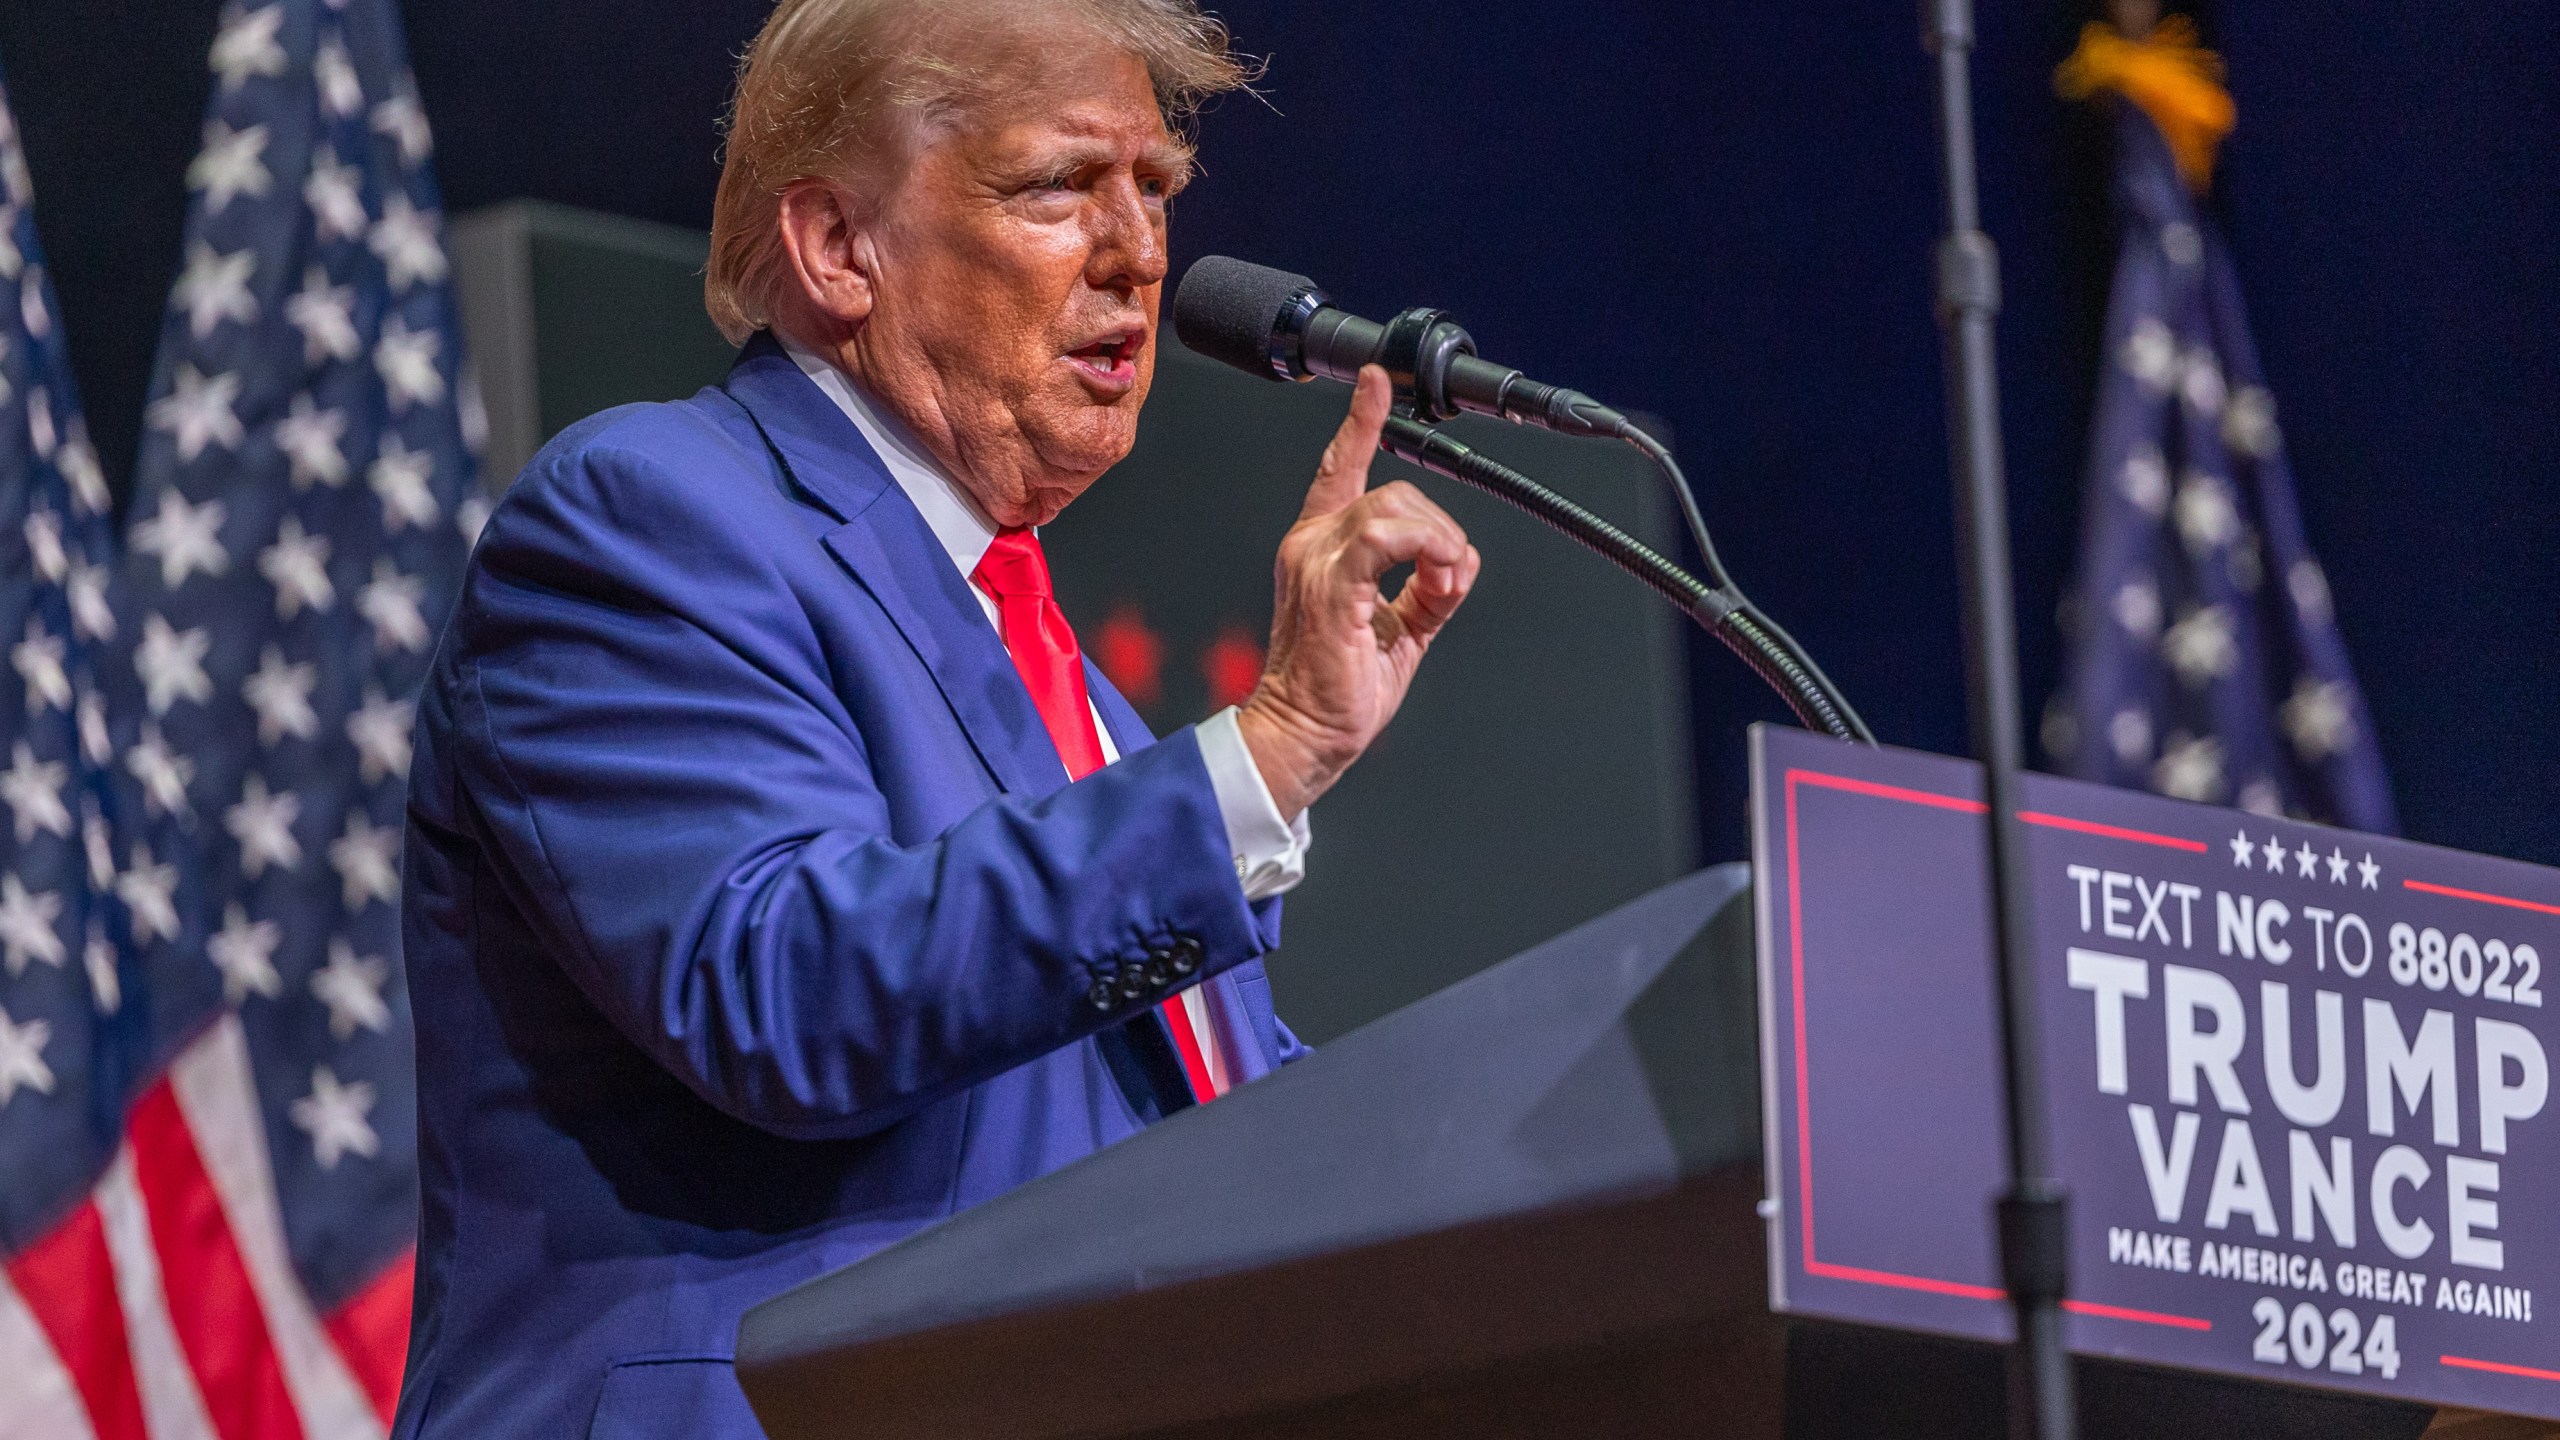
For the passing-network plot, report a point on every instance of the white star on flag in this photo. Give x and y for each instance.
(368, 862)
(149, 892)
(2129, 732)
(263, 824)
(32, 788)
(215, 288)
(351, 986)
(335, 194)
(401, 119)
(231, 164)
(171, 664)
(326, 316)
(44, 545)
(187, 538)
(163, 773)
(297, 565)
(2205, 514)
(12, 260)
(2151, 354)
(99, 845)
(335, 1116)
(95, 744)
(341, 92)
(198, 412)
(2201, 645)
(391, 603)
(2200, 382)
(79, 465)
(309, 436)
(2317, 719)
(380, 733)
(406, 360)
(247, 45)
(2190, 769)
(244, 951)
(2145, 480)
(98, 957)
(2137, 609)
(38, 660)
(405, 238)
(2249, 426)
(401, 477)
(281, 694)
(22, 1058)
(27, 931)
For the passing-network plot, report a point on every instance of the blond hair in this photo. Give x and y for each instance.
(830, 88)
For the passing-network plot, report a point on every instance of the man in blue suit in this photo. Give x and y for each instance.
(780, 878)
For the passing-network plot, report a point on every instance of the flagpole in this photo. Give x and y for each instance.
(2032, 1220)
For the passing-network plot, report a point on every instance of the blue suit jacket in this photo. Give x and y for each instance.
(750, 921)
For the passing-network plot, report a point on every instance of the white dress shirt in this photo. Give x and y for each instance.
(1270, 853)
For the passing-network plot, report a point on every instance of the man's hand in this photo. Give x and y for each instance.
(1342, 653)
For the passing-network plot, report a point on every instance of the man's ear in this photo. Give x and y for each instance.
(829, 253)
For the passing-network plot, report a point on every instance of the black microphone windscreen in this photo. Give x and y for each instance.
(1227, 309)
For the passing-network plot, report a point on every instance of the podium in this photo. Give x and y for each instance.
(1530, 1205)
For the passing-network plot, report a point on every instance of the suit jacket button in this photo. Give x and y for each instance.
(1185, 955)
(1103, 996)
(1133, 982)
(1160, 972)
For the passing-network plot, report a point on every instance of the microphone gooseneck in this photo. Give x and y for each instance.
(1283, 327)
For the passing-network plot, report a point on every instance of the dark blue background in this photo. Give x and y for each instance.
(1721, 214)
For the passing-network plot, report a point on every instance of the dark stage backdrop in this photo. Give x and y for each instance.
(1722, 214)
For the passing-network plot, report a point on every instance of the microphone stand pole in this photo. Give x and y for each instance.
(2033, 1224)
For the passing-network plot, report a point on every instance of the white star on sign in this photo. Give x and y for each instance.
(149, 892)
(326, 316)
(247, 45)
(340, 90)
(2274, 851)
(263, 824)
(32, 789)
(400, 118)
(405, 238)
(2201, 646)
(38, 659)
(44, 545)
(335, 1116)
(2145, 480)
(335, 194)
(401, 477)
(215, 288)
(406, 360)
(2206, 517)
(2306, 860)
(162, 772)
(2249, 426)
(2369, 872)
(22, 1058)
(171, 664)
(281, 694)
(2337, 867)
(199, 412)
(2151, 354)
(2242, 847)
(2317, 719)
(351, 986)
(2190, 769)
(367, 861)
(26, 926)
(391, 603)
(380, 733)
(297, 565)
(244, 951)
(187, 538)
(309, 436)
(231, 164)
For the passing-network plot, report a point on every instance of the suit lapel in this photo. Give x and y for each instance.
(893, 554)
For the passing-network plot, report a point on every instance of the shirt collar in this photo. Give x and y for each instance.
(948, 510)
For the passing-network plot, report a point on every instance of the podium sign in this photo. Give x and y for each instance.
(2298, 1078)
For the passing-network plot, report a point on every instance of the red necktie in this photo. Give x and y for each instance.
(1043, 646)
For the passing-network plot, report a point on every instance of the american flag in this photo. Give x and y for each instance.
(2207, 662)
(208, 1176)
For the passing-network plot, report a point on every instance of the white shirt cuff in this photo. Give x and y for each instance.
(1270, 853)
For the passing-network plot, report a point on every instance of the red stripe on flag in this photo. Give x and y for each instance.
(212, 1306)
(68, 1282)
(1186, 1042)
(372, 1333)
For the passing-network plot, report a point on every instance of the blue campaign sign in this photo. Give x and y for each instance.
(2298, 1078)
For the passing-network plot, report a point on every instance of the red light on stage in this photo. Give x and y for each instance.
(1132, 656)
(1231, 666)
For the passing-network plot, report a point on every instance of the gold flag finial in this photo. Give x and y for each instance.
(2176, 81)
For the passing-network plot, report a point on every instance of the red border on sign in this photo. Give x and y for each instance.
(1804, 1079)
(2482, 896)
(2497, 1367)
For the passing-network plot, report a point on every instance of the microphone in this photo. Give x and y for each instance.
(1283, 327)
